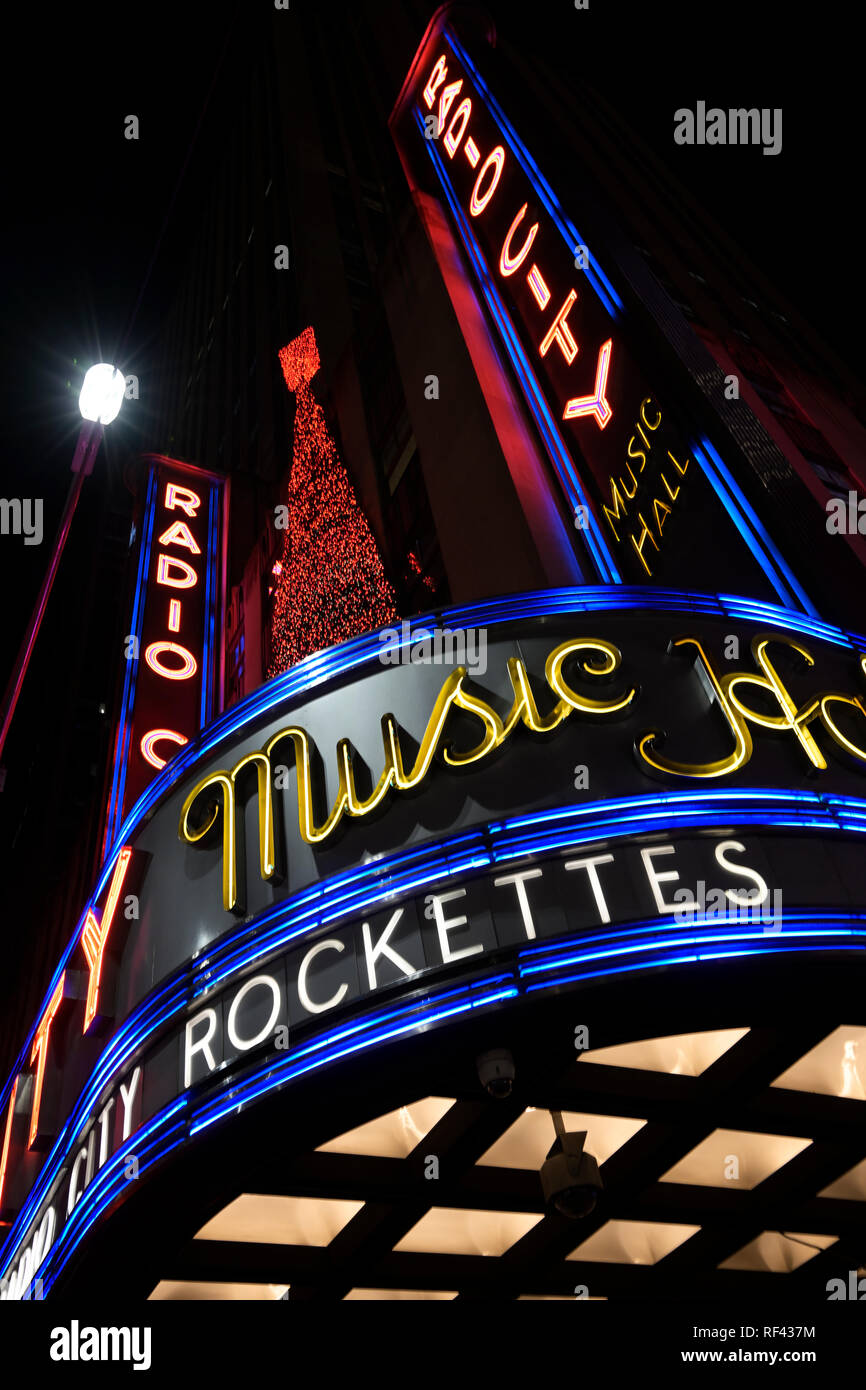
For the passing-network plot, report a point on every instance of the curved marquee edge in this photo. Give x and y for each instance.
(184, 1119)
(497, 842)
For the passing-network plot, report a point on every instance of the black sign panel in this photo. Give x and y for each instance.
(616, 437)
(443, 812)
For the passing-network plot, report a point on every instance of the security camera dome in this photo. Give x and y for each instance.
(570, 1178)
(496, 1072)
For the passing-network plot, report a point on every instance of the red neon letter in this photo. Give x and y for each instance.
(495, 159)
(153, 737)
(508, 263)
(179, 533)
(39, 1053)
(596, 404)
(537, 283)
(446, 101)
(453, 136)
(95, 935)
(560, 331)
(174, 615)
(435, 80)
(153, 657)
(188, 575)
(182, 497)
(7, 1140)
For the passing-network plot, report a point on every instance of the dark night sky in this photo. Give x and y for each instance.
(84, 210)
(84, 206)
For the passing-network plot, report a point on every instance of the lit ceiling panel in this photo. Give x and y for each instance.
(280, 1220)
(453, 1231)
(685, 1054)
(776, 1253)
(187, 1290)
(735, 1158)
(632, 1242)
(398, 1295)
(526, 1143)
(393, 1135)
(851, 1185)
(559, 1298)
(836, 1066)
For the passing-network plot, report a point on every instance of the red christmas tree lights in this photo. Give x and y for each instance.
(331, 583)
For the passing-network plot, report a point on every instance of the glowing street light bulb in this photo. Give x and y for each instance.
(101, 397)
(102, 393)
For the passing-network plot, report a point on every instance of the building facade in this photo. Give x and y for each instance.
(511, 947)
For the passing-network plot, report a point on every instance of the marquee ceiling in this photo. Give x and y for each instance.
(734, 1165)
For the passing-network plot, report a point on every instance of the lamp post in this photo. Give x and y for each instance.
(99, 402)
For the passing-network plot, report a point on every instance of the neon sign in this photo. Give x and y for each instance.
(638, 490)
(595, 673)
(598, 661)
(173, 684)
(94, 937)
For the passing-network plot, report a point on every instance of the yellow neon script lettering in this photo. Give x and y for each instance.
(599, 660)
(739, 715)
(647, 747)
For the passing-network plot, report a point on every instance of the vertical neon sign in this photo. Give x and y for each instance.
(172, 679)
(648, 507)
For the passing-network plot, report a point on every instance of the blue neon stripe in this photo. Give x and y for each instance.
(206, 623)
(758, 612)
(132, 666)
(659, 929)
(583, 975)
(208, 689)
(752, 529)
(641, 947)
(740, 521)
(214, 631)
(116, 796)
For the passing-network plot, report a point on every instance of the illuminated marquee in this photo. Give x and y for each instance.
(443, 863)
(641, 488)
(173, 679)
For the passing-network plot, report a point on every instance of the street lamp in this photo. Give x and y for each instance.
(101, 394)
(100, 400)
